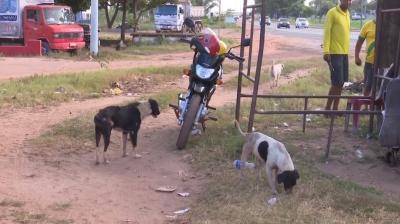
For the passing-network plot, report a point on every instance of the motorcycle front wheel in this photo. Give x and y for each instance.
(188, 121)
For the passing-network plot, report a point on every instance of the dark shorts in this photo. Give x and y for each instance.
(368, 76)
(339, 69)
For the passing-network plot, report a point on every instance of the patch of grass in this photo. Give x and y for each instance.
(109, 53)
(40, 90)
(60, 206)
(11, 203)
(163, 47)
(355, 24)
(77, 135)
(318, 83)
(72, 128)
(24, 217)
(290, 66)
(231, 197)
(110, 35)
(218, 23)
(318, 198)
(130, 52)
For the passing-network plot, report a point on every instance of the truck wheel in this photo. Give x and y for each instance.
(184, 28)
(45, 48)
(73, 52)
(198, 28)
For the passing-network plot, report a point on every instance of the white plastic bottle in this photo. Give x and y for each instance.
(238, 164)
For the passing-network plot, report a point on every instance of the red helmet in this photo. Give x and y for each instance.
(210, 42)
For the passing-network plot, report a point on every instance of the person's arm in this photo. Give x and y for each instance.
(359, 44)
(327, 36)
(360, 41)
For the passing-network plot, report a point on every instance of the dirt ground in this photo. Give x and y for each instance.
(122, 192)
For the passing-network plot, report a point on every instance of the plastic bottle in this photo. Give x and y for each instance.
(238, 164)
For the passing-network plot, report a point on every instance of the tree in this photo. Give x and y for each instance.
(209, 4)
(321, 7)
(106, 5)
(139, 7)
(278, 8)
(197, 2)
(76, 5)
(372, 5)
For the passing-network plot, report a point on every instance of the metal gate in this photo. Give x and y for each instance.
(256, 80)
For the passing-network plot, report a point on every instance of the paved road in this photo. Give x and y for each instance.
(310, 33)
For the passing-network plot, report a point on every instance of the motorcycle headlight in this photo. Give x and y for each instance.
(203, 72)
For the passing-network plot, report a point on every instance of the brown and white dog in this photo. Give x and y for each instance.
(276, 71)
(122, 118)
(278, 163)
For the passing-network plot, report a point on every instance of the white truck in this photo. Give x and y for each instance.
(171, 17)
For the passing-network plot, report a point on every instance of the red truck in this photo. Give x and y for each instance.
(34, 27)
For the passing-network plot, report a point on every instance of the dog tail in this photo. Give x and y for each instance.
(240, 130)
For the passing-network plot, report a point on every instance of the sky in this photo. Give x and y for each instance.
(237, 5)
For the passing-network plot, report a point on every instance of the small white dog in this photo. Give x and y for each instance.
(276, 71)
(278, 163)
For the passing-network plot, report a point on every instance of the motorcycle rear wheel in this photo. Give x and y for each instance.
(188, 121)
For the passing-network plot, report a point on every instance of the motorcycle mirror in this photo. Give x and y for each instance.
(246, 42)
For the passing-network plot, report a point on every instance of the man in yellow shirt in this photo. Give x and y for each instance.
(367, 33)
(336, 49)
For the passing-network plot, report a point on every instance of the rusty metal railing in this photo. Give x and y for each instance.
(305, 111)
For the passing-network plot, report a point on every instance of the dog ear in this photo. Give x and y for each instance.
(154, 107)
(282, 177)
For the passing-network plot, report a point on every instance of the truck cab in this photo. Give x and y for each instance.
(169, 17)
(54, 25)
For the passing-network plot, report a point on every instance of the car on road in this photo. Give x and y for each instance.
(302, 23)
(267, 21)
(283, 22)
(355, 16)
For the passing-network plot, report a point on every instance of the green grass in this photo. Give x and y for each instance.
(24, 217)
(290, 66)
(60, 206)
(11, 203)
(132, 51)
(318, 83)
(77, 135)
(40, 90)
(229, 197)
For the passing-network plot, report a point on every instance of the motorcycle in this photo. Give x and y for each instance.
(204, 76)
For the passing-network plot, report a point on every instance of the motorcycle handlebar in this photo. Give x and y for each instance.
(197, 45)
(234, 57)
(185, 40)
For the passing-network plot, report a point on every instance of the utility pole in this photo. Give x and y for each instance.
(362, 13)
(94, 28)
(219, 17)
